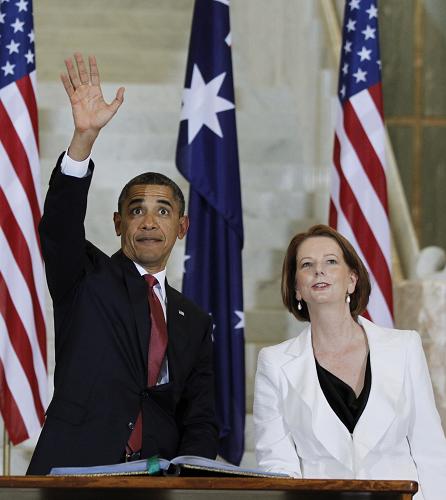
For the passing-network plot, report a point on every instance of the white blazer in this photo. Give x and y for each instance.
(398, 436)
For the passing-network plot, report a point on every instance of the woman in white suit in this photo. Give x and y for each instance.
(345, 398)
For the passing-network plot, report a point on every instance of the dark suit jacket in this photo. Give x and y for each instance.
(102, 325)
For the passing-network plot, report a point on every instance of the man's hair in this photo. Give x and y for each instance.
(153, 179)
(358, 299)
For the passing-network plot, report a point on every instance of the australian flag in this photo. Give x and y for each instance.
(207, 155)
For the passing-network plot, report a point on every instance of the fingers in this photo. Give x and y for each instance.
(83, 73)
(79, 83)
(118, 100)
(94, 72)
(72, 73)
(67, 84)
(78, 75)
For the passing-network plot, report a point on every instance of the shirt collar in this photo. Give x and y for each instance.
(160, 276)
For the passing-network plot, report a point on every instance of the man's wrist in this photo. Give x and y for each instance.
(81, 145)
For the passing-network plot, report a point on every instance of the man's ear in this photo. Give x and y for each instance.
(117, 222)
(183, 227)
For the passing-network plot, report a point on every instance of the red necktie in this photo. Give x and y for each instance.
(157, 351)
(158, 333)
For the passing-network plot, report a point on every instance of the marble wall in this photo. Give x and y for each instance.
(421, 305)
(285, 82)
(283, 97)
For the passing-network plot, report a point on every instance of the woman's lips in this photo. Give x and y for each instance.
(320, 286)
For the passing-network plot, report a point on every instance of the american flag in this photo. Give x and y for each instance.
(207, 155)
(358, 203)
(23, 373)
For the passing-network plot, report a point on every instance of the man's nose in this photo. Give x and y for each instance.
(149, 222)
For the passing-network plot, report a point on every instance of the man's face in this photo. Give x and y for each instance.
(149, 224)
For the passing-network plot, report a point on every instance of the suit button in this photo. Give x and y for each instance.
(145, 394)
(131, 425)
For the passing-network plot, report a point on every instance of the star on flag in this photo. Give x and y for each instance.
(201, 103)
(369, 32)
(185, 259)
(241, 320)
(360, 75)
(22, 5)
(351, 25)
(372, 12)
(364, 54)
(13, 47)
(17, 25)
(8, 68)
(29, 57)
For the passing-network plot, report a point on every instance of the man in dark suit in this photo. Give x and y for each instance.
(103, 322)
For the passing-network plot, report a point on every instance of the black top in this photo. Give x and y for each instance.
(342, 398)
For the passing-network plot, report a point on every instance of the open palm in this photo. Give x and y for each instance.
(90, 111)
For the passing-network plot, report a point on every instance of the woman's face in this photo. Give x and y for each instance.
(322, 276)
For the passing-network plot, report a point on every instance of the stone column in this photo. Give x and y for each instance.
(421, 305)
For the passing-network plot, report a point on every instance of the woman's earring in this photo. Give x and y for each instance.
(347, 299)
(299, 305)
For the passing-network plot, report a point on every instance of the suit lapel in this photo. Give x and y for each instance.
(302, 375)
(137, 292)
(387, 361)
(176, 329)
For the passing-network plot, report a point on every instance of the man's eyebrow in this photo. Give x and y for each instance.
(165, 202)
(136, 201)
(141, 201)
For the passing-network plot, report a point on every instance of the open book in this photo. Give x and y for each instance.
(187, 465)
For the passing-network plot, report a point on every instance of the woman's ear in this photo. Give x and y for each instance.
(353, 280)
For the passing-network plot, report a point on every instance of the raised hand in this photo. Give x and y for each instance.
(90, 111)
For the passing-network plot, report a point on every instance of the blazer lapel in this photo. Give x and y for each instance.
(387, 361)
(302, 375)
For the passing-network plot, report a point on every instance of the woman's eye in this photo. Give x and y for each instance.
(332, 261)
(306, 264)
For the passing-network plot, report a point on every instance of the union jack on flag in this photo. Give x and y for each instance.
(23, 372)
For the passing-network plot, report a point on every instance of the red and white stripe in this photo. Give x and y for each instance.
(23, 359)
(358, 204)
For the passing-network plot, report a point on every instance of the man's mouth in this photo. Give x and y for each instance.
(148, 239)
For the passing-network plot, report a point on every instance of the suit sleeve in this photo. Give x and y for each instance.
(426, 437)
(275, 450)
(62, 233)
(197, 413)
